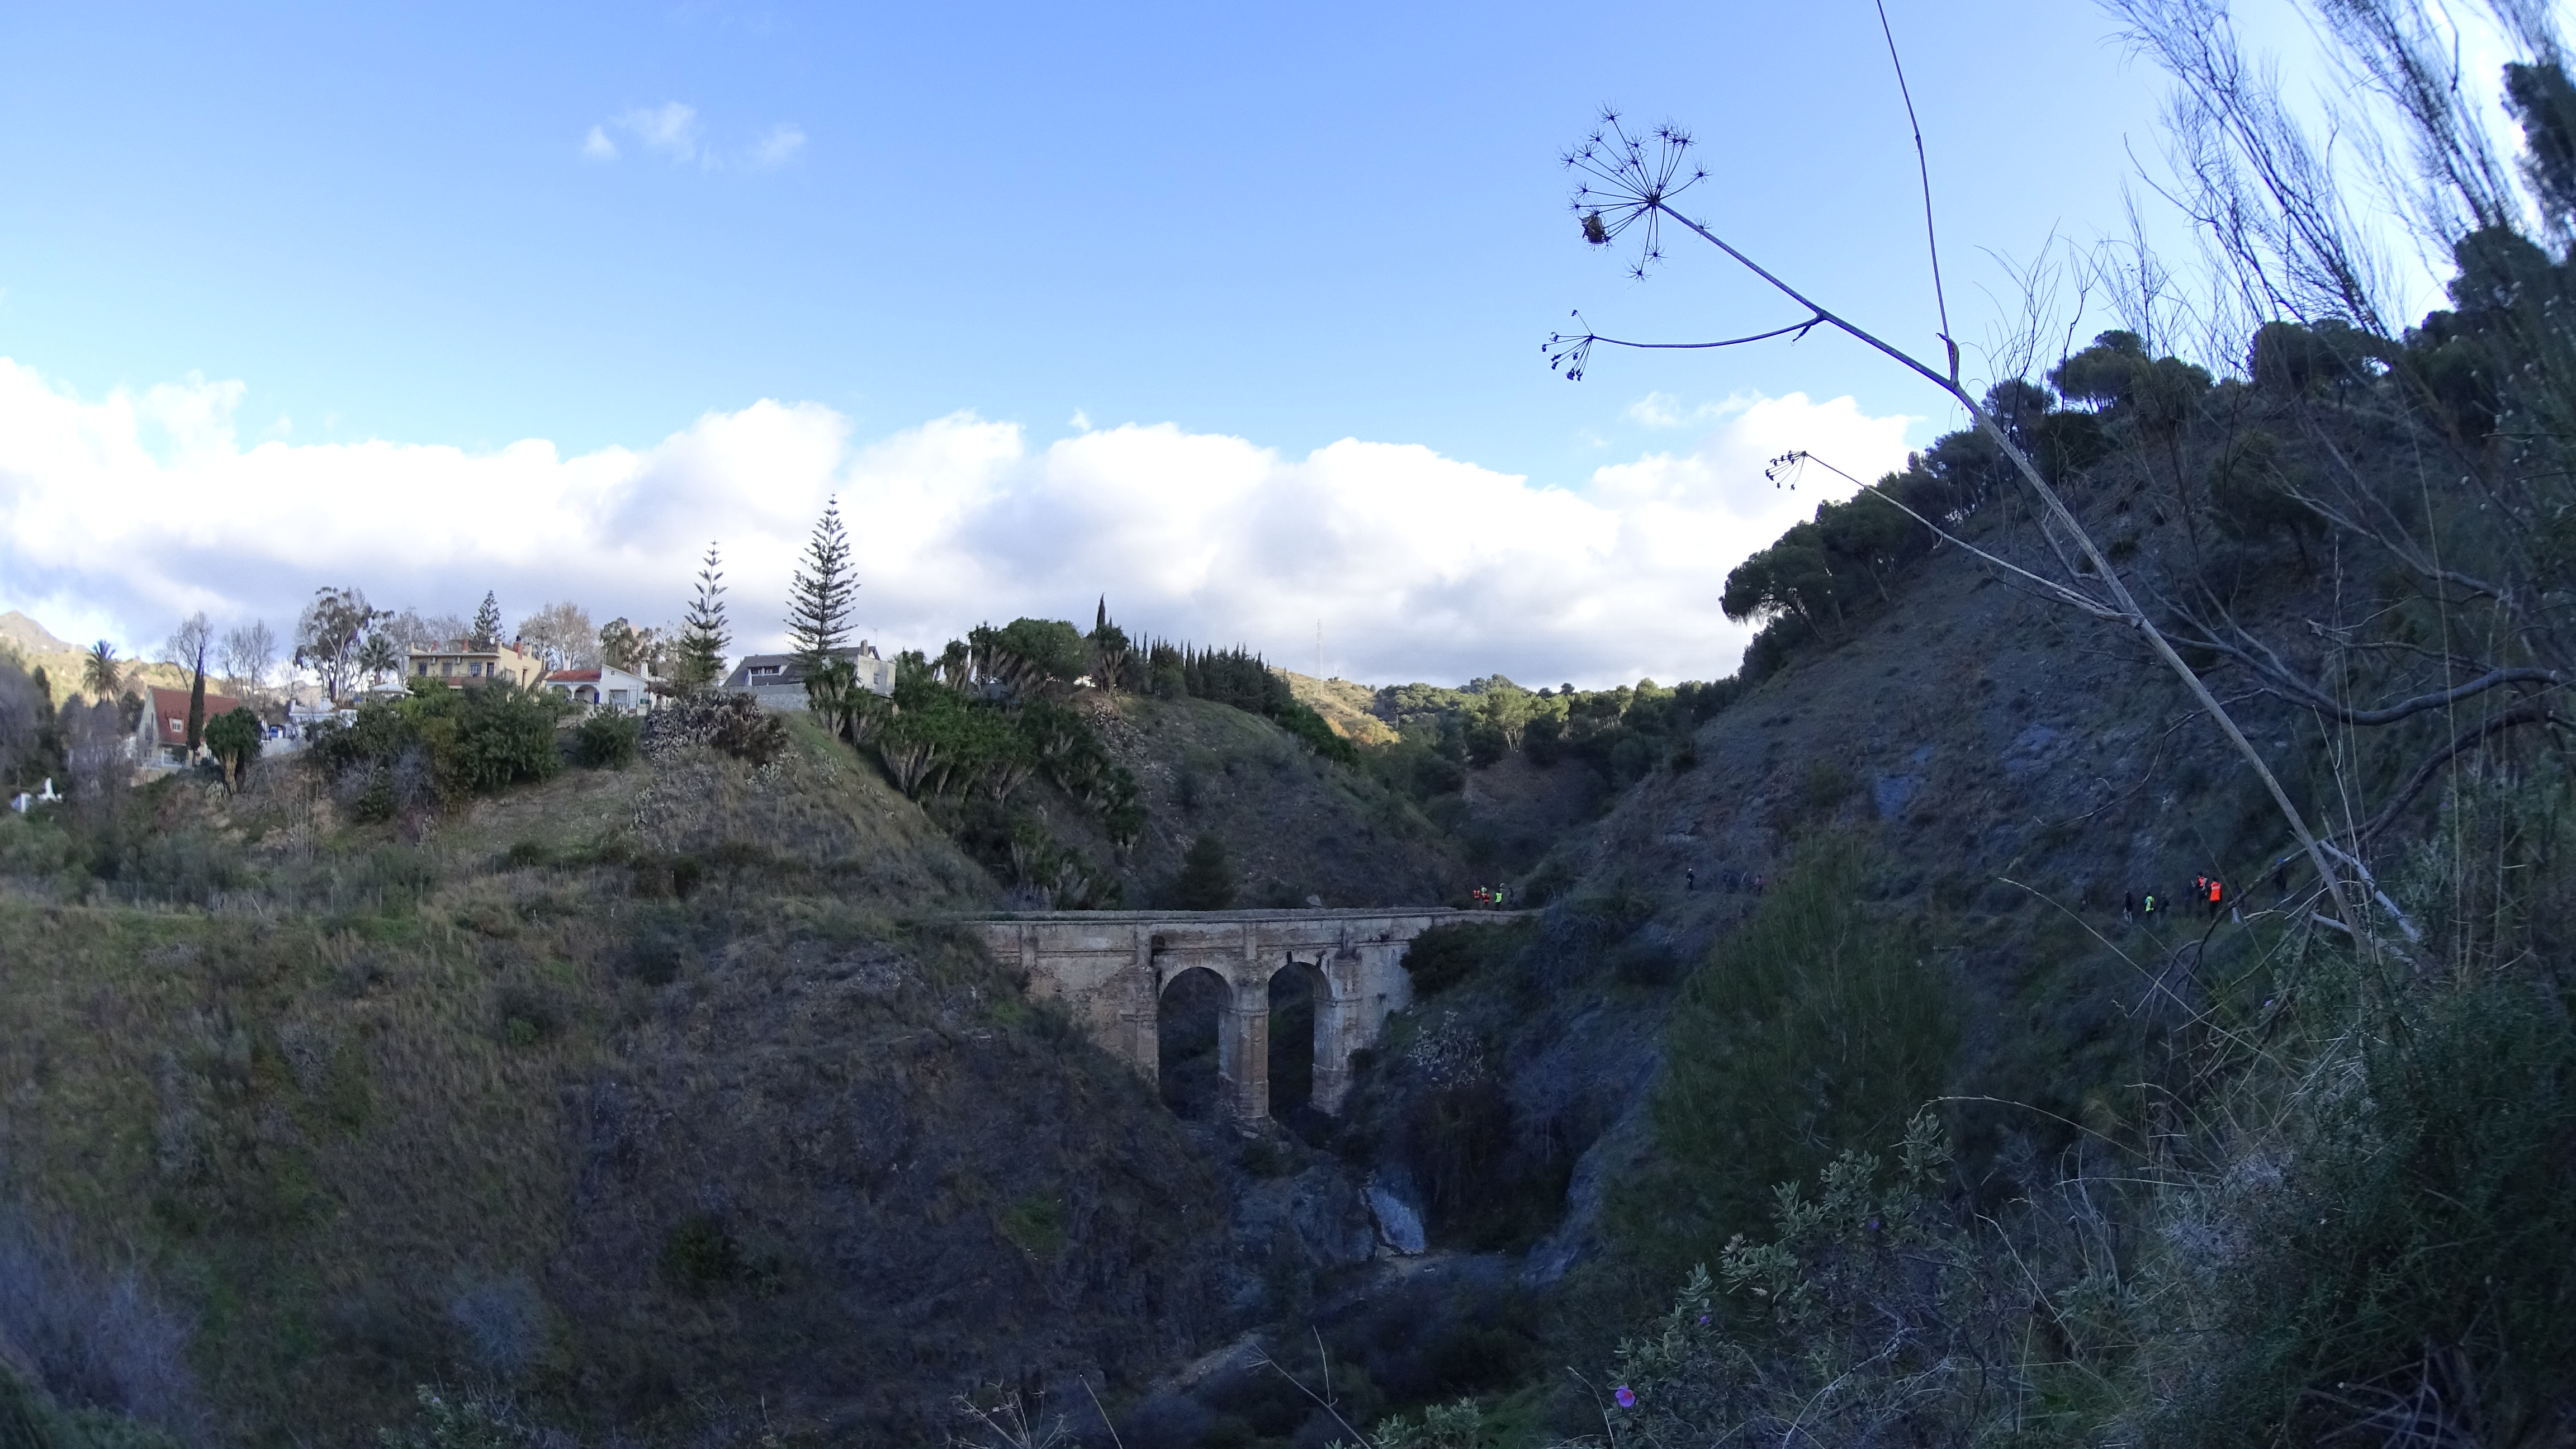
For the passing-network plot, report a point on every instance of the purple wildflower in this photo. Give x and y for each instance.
(1626, 1399)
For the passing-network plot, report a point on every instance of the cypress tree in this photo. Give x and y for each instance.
(818, 604)
(197, 705)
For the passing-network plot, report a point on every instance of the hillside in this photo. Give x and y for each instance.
(658, 1094)
(1344, 705)
(1294, 824)
(1884, 902)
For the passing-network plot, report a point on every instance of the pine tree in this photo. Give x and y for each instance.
(487, 623)
(703, 634)
(819, 603)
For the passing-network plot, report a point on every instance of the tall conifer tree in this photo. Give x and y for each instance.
(487, 623)
(818, 617)
(703, 631)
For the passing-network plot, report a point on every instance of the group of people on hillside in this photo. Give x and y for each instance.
(1489, 898)
(2206, 890)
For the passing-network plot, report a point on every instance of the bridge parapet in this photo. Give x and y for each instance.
(1109, 968)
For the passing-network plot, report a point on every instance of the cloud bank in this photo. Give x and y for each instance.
(118, 516)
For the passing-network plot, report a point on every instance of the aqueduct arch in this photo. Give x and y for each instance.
(1109, 969)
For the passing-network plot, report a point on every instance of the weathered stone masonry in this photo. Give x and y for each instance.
(1109, 968)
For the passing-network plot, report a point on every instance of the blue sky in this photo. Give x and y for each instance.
(465, 227)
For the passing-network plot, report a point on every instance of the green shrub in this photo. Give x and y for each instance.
(438, 745)
(607, 741)
(732, 724)
(1206, 881)
(1035, 1225)
(1816, 1026)
(1824, 784)
(233, 739)
(700, 1255)
(1444, 956)
(2419, 1240)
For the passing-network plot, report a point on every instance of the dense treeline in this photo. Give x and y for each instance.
(1246, 681)
(1623, 732)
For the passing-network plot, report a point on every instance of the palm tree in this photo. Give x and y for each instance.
(101, 675)
(379, 657)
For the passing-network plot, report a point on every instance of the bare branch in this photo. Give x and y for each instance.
(1574, 350)
(2515, 718)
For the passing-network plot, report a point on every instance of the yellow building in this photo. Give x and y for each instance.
(460, 663)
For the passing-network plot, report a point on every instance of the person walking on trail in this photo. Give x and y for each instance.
(2151, 908)
(2128, 907)
(1499, 893)
(1690, 879)
(2217, 897)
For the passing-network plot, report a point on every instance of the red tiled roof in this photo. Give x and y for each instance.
(573, 676)
(170, 712)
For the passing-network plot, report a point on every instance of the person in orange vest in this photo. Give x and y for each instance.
(2217, 894)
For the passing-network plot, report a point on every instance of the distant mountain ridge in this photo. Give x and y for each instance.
(32, 637)
(39, 648)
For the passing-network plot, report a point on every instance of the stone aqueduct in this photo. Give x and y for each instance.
(1110, 968)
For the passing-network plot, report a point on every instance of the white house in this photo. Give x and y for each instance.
(778, 680)
(606, 687)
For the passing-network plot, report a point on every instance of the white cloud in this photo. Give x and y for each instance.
(121, 514)
(775, 148)
(674, 132)
(1663, 410)
(669, 130)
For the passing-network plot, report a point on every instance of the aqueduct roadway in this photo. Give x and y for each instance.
(1110, 969)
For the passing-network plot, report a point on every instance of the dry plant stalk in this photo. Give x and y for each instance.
(1633, 180)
